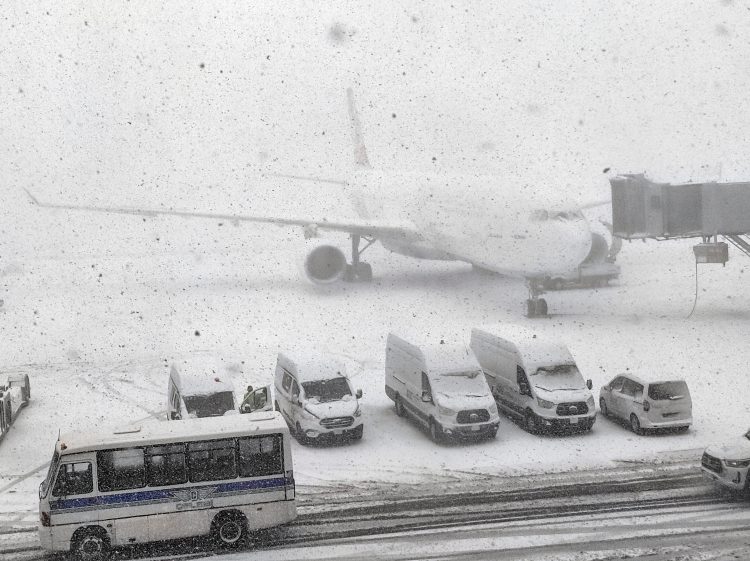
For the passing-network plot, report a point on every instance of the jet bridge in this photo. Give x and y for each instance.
(642, 209)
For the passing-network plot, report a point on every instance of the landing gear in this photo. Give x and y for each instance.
(535, 306)
(359, 270)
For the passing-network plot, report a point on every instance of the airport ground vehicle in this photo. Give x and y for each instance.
(441, 386)
(201, 386)
(587, 274)
(647, 405)
(534, 379)
(14, 396)
(316, 397)
(161, 481)
(728, 464)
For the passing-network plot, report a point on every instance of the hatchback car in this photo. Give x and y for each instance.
(664, 404)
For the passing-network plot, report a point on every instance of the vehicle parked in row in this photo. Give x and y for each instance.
(164, 481)
(316, 398)
(441, 386)
(534, 379)
(199, 387)
(728, 464)
(645, 405)
(14, 396)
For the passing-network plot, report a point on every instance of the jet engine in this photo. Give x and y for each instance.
(324, 264)
(604, 247)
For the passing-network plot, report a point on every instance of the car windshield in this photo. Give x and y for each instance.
(334, 389)
(212, 405)
(668, 391)
(469, 384)
(50, 474)
(558, 377)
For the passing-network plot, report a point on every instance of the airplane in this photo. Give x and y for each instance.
(508, 228)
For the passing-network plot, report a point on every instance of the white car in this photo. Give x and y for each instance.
(728, 464)
(647, 405)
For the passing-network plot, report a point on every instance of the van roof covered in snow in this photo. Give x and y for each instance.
(311, 365)
(439, 358)
(187, 430)
(535, 350)
(201, 375)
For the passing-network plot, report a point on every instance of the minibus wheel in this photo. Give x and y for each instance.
(530, 421)
(399, 407)
(229, 529)
(603, 407)
(91, 544)
(436, 433)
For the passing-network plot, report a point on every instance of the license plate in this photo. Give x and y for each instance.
(574, 420)
(475, 429)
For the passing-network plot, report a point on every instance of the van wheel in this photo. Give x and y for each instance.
(229, 529)
(358, 432)
(530, 422)
(276, 406)
(603, 407)
(91, 545)
(299, 434)
(400, 411)
(635, 424)
(436, 433)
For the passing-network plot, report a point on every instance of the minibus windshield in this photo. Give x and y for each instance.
(212, 405)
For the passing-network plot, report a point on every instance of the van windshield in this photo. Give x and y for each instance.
(558, 377)
(469, 384)
(668, 391)
(212, 405)
(334, 389)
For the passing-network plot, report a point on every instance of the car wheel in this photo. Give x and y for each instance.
(635, 424)
(229, 529)
(399, 407)
(530, 422)
(299, 434)
(603, 407)
(92, 545)
(436, 433)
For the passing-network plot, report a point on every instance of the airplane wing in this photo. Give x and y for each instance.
(361, 227)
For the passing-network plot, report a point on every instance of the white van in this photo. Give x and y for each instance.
(534, 379)
(199, 387)
(441, 386)
(315, 396)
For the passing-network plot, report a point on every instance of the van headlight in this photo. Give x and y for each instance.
(590, 402)
(358, 411)
(543, 403)
(737, 463)
(446, 411)
(306, 410)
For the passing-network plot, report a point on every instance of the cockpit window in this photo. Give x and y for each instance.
(539, 215)
(560, 216)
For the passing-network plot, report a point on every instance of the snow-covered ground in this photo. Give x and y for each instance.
(184, 105)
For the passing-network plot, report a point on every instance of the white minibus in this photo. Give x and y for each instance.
(222, 476)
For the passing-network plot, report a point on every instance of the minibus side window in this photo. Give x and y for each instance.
(260, 455)
(212, 461)
(74, 479)
(166, 465)
(121, 469)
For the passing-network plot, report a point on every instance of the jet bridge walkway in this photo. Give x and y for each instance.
(642, 209)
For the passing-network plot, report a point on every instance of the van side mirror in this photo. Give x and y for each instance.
(589, 385)
(524, 389)
(358, 395)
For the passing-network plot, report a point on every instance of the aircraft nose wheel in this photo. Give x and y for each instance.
(361, 271)
(536, 307)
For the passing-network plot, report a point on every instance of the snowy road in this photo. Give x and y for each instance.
(635, 509)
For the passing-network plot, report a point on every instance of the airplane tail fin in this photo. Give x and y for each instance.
(360, 150)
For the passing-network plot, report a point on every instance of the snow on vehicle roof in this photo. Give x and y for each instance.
(441, 357)
(647, 379)
(202, 375)
(536, 351)
(312, 366)
(187, 430)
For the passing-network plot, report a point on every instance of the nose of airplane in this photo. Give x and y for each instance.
(573, 240)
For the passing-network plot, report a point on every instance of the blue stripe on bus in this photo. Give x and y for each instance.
(106, 501)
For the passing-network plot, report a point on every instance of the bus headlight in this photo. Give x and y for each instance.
(447, 411)
(737, 463)
(543, 403)
(306, 410)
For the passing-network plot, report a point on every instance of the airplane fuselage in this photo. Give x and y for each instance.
(512, 229)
